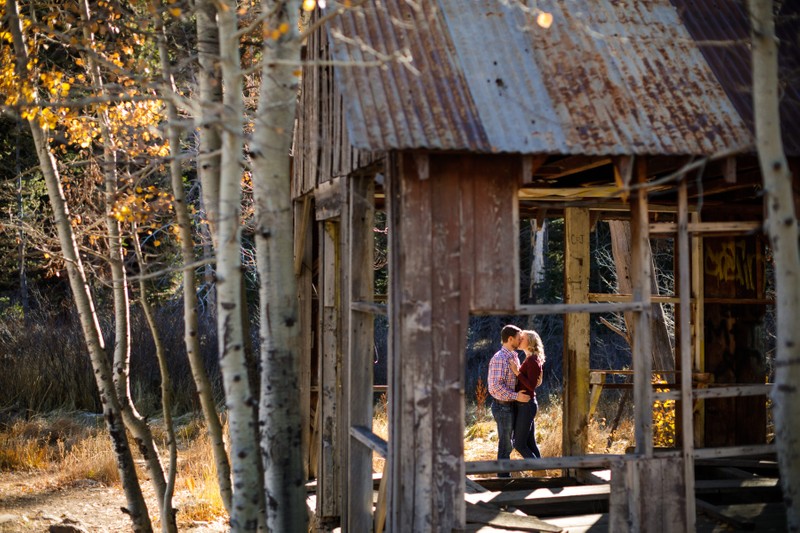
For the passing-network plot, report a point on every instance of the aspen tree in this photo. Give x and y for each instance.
(782, 230)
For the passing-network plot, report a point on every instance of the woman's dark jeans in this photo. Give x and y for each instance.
(525, 429)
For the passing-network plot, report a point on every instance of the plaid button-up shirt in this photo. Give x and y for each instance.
(501, 379)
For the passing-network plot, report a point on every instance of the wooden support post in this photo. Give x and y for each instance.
(303, 253)
(440, 252)
(576, 333)
(642, 342)
(698, 327)
(360, 341)
(328, 494)
(687, 421)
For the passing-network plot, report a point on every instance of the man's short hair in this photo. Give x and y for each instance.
(509, 330)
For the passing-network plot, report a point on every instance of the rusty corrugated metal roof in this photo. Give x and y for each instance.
(722, 31)
(608, 77)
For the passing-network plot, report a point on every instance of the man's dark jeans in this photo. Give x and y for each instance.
(504, 417)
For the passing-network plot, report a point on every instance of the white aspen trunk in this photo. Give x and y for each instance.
(247, 486)
(783, 234)
(279, 410)
(137, 509)
(208, 122)
(208, 165)
(166, 393)
(122, 346)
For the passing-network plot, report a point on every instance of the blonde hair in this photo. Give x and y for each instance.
(535, 345)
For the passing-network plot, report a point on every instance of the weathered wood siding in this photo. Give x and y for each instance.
(647, 495)
(735, 345)
(322, 147)
(453, 249)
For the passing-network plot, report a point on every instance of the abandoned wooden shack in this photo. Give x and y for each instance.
(460, 119)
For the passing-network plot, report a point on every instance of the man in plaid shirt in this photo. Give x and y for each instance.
(503, 369)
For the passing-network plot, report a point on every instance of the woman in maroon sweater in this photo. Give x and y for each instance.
(529, 376)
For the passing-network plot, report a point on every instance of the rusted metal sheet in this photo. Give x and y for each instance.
(722, 30)
(607, 77)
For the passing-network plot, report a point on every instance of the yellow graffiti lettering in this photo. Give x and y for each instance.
(732, 263)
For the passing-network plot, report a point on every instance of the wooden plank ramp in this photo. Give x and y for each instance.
(492, 516)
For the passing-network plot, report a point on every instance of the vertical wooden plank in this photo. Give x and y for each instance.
(361, 215)
(328, 502)
(618, 499)
(671, 472)
(449, 331)
(576, 332)
(698, 332)
(495, 285)
(646, 496)
(411, 423)
(685, 350)
(303, 234)
(640, 274)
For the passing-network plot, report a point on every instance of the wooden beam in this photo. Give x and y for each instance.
(530, 164)
(496, 517)
(716, 513)
(370, 440)
(328, 199)
(697, 324)
(303, 254)
(542, 463)
(716, 228)
(684, 357)
(300, 239)
(329, 495)
(623, 173)
(369, 308)
(642, 342)
(360, 346)
(570, 165)
(576, 332)
(574, 308)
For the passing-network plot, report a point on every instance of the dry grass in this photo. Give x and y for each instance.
(197, 475)
(70, 448)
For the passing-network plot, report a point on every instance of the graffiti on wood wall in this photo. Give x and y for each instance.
(731, 261)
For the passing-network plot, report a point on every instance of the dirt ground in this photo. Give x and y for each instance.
(28, 502)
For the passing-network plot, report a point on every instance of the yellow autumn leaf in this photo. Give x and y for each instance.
(156, 243)
(309, 5)
(175, 12)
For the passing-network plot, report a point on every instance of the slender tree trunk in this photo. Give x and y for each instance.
(137, 509)
(245, 513)
(280, 401)
(783, 234)
(190, 333)
(21, 250)
(167, 510)
(210, 149)
(122, 344)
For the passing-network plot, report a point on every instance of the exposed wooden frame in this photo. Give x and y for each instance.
(640, 274)
(575, 435)
(360, 345)
(329, 463)
(685, 355)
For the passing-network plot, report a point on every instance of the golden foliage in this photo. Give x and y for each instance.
(663, 418)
